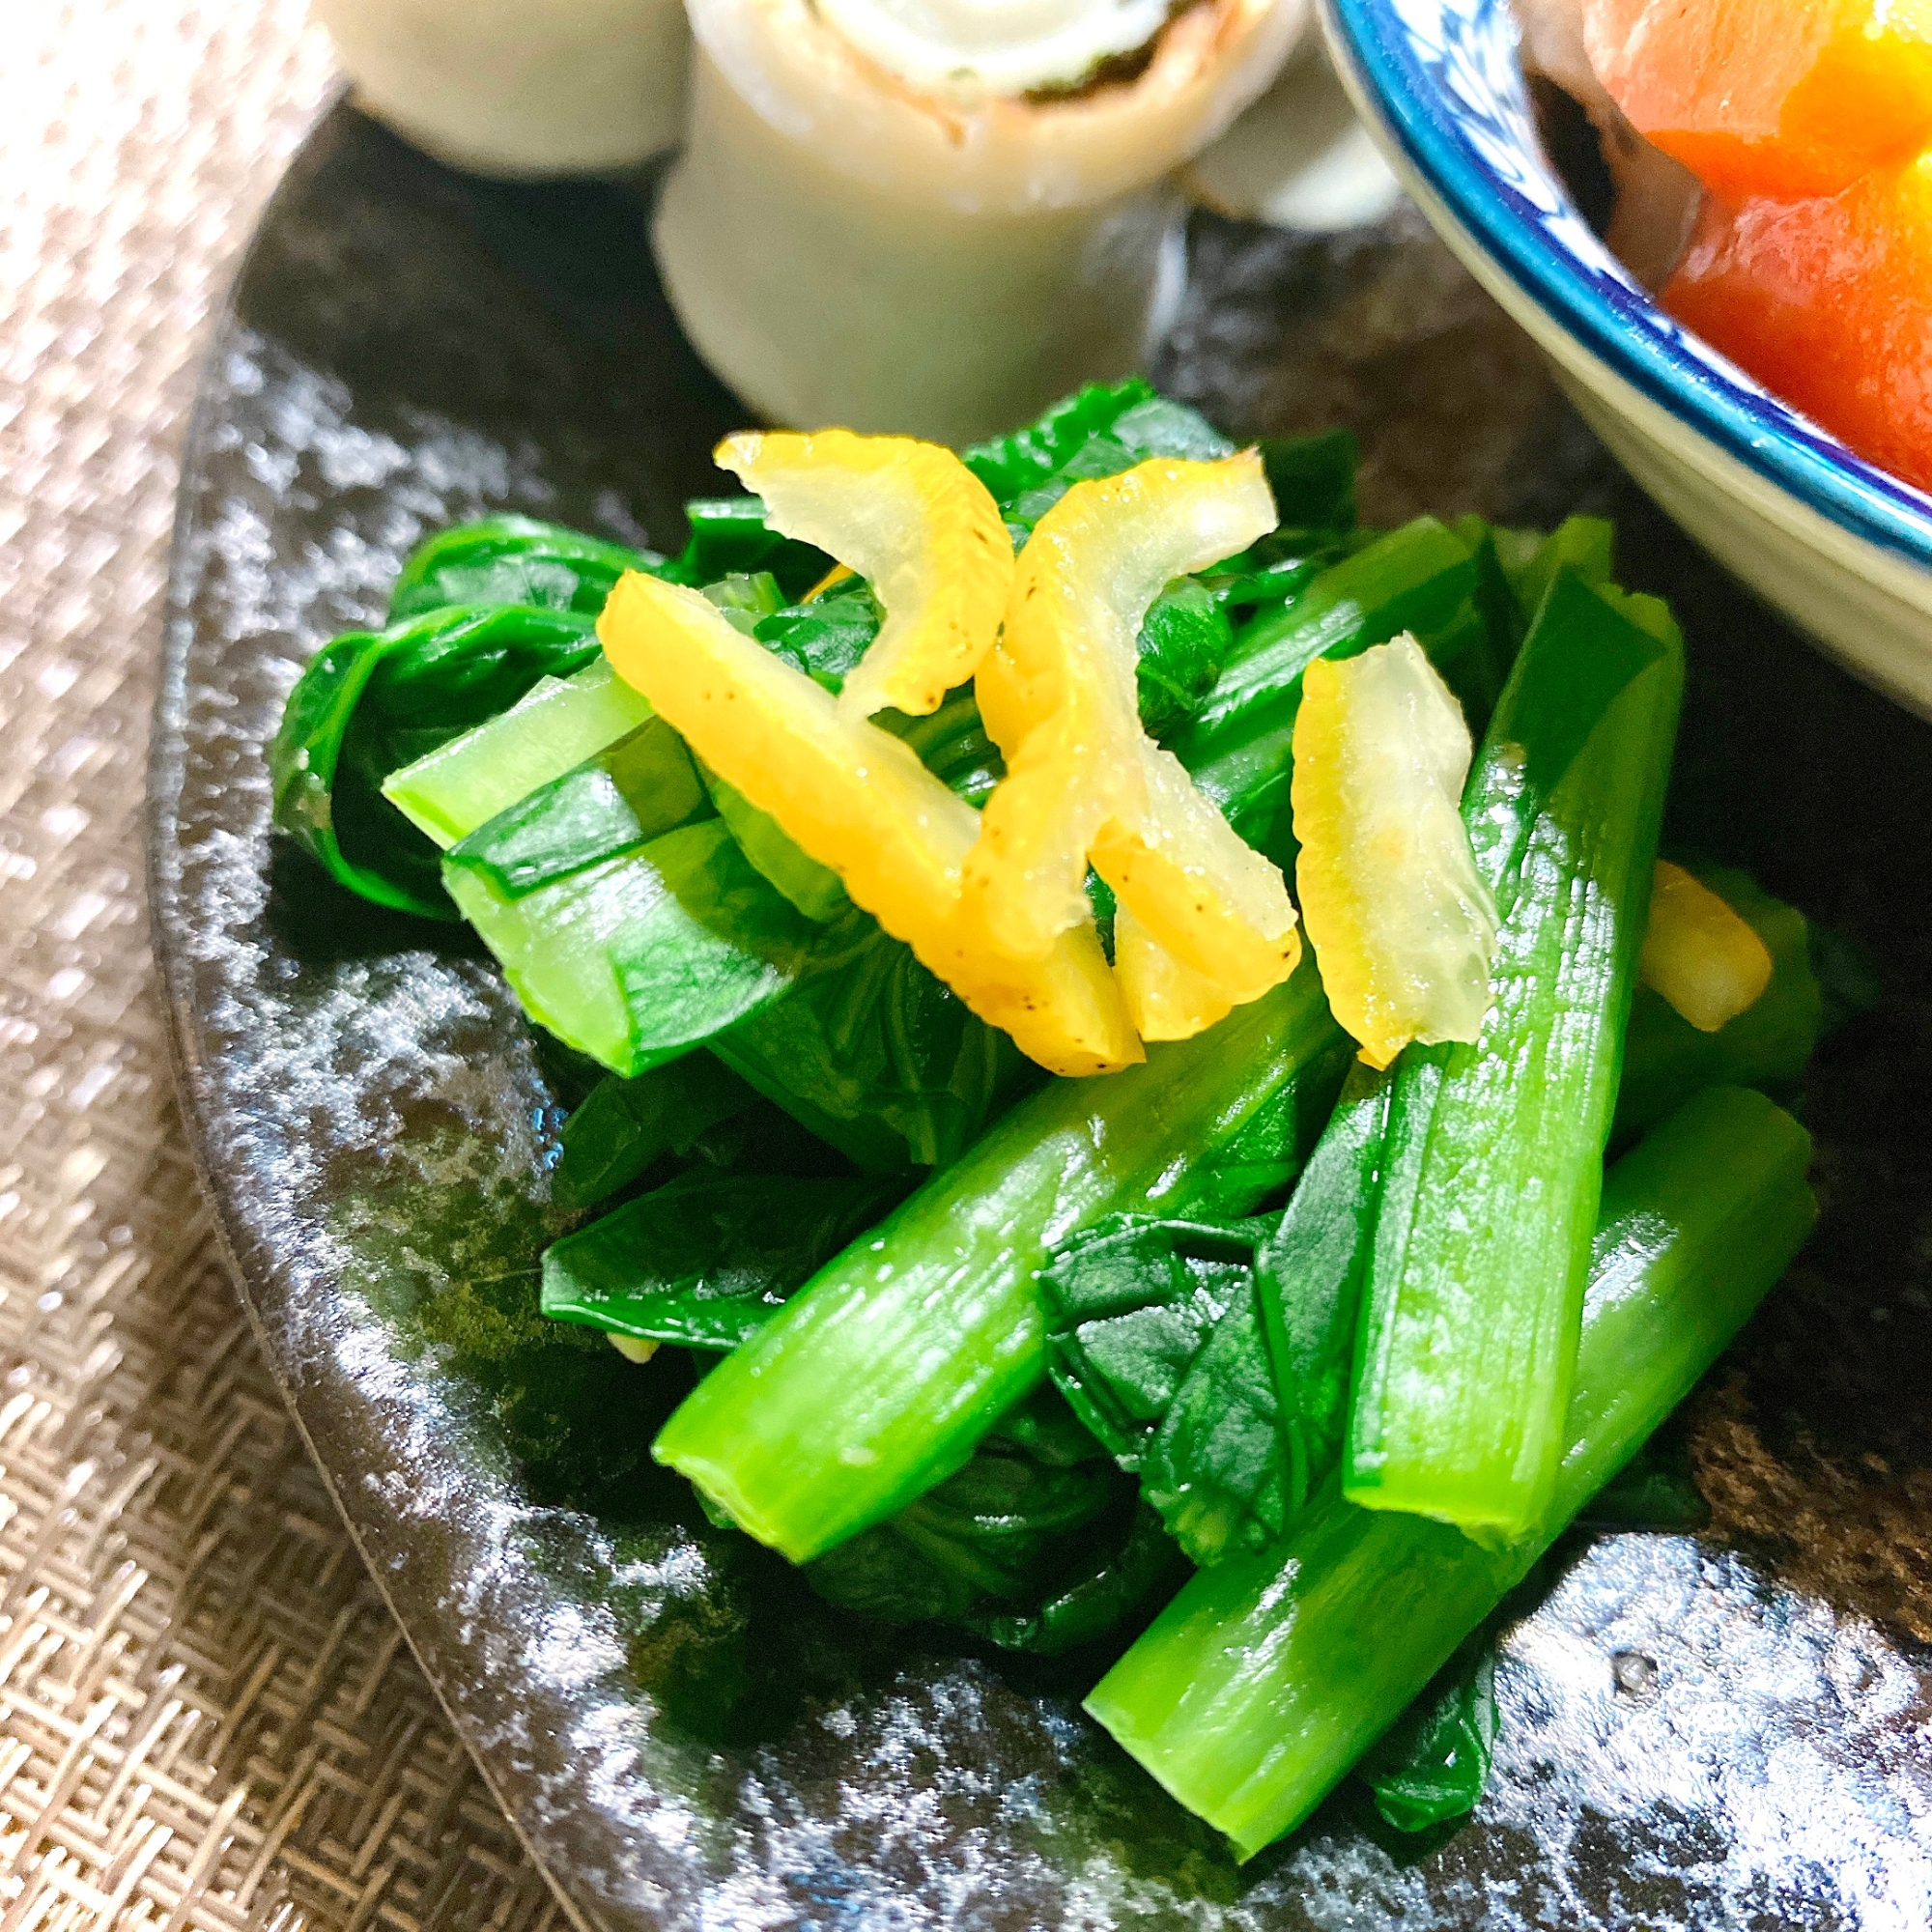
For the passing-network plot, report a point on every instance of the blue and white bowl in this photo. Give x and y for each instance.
(1841, 547)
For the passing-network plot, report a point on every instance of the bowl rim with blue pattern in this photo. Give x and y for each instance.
(1444, 84)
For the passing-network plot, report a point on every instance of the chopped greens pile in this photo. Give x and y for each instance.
(1014, 1352)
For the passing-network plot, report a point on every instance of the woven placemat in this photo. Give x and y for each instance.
(207, 1717)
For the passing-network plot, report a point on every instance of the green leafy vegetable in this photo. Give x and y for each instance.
(827, 636)
(729, 537)
(553, 729)
(879, 1379)
(952, 745)
(514, 560)
(1184, 640)
(815, 890)
(372, 701)
(705, 1260)
(1128, 1304)
(875, 1055)
(1267, 1677)
(1029, 458)
(1653, 1489)
(644, 954)
(1428, 1768)
(1213, 1358)
(623, 1128)
(747, 598)
(1034, 1545)
(1583, 546)
(1493, 1153)
(641, 787)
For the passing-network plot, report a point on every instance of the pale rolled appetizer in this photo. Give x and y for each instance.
(935, 215)
(520, 88)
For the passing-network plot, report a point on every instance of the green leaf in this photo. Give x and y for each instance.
(1213, 1358)
(1104, 429)
(1128, 1305)
(1025, 458)
(1493, 1160)
(640, 957)
(638, 788)
(373, 702)
(1430, 1766)
(1033, 1552)
(705, 1260)
(827, 636)
(1655, 1490)
(876, 1055)
(514, 560)
(624, 1126)
(1184, 640)
(729, 537)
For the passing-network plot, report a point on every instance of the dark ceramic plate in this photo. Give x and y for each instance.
(1730, 1729)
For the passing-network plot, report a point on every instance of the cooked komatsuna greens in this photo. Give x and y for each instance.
(1401, 922)
(902, 890)
(1268, 1676)
(1490, 1167)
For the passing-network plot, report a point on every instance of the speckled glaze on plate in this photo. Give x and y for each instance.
(1729, 1730)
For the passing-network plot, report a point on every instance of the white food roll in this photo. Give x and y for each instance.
(912, 215)
(520, 88)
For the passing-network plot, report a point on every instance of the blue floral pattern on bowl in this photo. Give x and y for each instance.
(1443, 78)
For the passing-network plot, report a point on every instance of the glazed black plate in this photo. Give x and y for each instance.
(1725, 1729)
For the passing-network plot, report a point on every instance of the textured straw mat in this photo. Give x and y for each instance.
(207, 1717)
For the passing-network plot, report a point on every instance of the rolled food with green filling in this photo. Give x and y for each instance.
(932, 217)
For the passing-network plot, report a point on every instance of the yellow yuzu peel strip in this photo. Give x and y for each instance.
(858, 800)
(1699, 953)
(916, 523)
(1403, 927)
(1083, 780)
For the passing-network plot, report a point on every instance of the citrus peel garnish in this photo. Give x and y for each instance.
(1703, 957)
(1083, 782)
(1402, 926)
(857, 799)
(916, 523)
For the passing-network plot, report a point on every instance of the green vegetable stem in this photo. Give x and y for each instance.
(557, 725)
(1269, 1675)
(878, 1379)
(1492, 1160)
